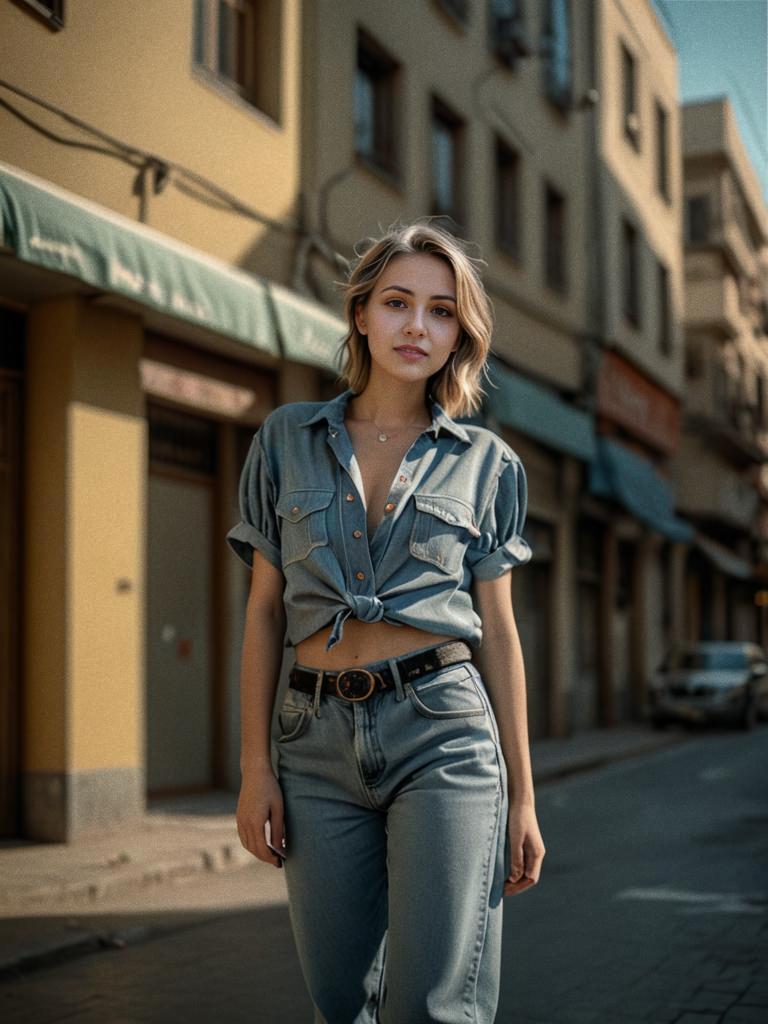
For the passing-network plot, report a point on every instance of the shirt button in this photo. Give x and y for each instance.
(360, 575)
(350, 497)
(403, 478)
(388, 507)
(357, 534)
(295, 510)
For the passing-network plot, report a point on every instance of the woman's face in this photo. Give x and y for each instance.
(412, 309)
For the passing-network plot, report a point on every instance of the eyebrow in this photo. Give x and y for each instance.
(399, 288)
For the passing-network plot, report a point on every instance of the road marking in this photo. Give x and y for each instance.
(701, 902)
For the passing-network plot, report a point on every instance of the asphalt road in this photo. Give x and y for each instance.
(652, 907)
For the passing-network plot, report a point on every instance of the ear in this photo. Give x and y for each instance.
(360, 319)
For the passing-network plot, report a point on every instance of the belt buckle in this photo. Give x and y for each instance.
(348, 687)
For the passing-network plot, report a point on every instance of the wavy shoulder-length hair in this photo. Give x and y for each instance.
(456, 387)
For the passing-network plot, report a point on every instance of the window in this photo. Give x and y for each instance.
(662, 151)
(665, 326)
(447, 133)
(238, 44)
(630, 115)
(52, 11)
(554, 239)
(697, 219)
(374, 105)
(556, 54)
(507, 199)
(506, 31)
(631, 273)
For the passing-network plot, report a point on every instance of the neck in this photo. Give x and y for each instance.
(392, 404)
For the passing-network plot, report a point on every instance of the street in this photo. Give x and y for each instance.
(652, 907)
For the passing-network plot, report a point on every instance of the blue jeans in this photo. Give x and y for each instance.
(396, 843)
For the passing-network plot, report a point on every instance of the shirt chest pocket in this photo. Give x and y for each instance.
(442, 529)
(303, 522)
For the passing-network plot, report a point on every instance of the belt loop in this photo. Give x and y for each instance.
(318, 689)
(399, 692)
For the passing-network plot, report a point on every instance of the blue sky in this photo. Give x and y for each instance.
(722, 48)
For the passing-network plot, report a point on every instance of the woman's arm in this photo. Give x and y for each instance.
(260, 797)
(500, 662)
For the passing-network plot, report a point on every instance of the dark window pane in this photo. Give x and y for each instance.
(697, 209)
(631, 274)
(507, 198)
(555, 239)
(662, 158)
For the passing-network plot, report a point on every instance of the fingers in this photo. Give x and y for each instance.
(256, 827)
(527, 857)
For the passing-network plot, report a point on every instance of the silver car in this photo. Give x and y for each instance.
(717, 681)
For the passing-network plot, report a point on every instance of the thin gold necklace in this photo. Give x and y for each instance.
(384, 436)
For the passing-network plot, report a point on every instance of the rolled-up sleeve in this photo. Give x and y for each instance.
(501, 545)
(258, 521)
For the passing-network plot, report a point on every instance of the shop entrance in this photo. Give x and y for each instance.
(182, 710)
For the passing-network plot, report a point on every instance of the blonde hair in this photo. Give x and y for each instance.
(456, 386)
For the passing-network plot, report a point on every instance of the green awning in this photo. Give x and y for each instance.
(628, 478)
(308, 332)
(51, 228)
(538, 413)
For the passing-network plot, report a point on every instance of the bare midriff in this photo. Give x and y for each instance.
(364, 642)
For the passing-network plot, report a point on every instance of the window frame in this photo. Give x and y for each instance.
(630, 273)
(664, 308)
(440, 111)
(662, 150)
(559, 95)
(53, 15)
(385, 156)
(630, 115)
(557, 281)
(507, 156)
(206, 56)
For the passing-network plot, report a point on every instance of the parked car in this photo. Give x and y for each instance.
(716, 681)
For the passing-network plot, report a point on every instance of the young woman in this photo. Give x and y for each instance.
(381, 534)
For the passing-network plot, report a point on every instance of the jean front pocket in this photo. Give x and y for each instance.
(304, 523)
(446, 693)
(294, 715)
(442, 529)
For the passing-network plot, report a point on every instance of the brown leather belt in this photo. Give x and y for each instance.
(361, 683)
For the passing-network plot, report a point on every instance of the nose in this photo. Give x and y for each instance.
(415, 325)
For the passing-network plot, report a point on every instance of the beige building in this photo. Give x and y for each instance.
(556, 150)
(721, 464)
(636, 305)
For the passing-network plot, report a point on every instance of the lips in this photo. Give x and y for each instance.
(410, 348)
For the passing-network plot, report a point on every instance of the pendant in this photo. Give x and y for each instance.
(383, 437)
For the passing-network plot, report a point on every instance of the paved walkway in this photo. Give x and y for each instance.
(178, 838)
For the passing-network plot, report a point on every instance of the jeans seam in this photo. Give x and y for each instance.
(482, 929)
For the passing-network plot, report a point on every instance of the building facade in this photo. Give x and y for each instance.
(720, 465)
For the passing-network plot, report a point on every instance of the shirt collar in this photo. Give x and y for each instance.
(334, 411)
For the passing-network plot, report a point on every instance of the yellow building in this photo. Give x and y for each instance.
(149, 176)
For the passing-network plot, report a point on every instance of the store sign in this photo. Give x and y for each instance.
(627, 397)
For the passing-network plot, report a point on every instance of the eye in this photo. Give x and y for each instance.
(443, 311)
(390, 301)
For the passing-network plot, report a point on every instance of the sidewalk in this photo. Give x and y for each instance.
(178, 839)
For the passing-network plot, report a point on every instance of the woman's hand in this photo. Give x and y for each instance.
(526, 849)
(260, 801)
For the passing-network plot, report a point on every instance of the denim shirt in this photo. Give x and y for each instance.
(455, 511)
